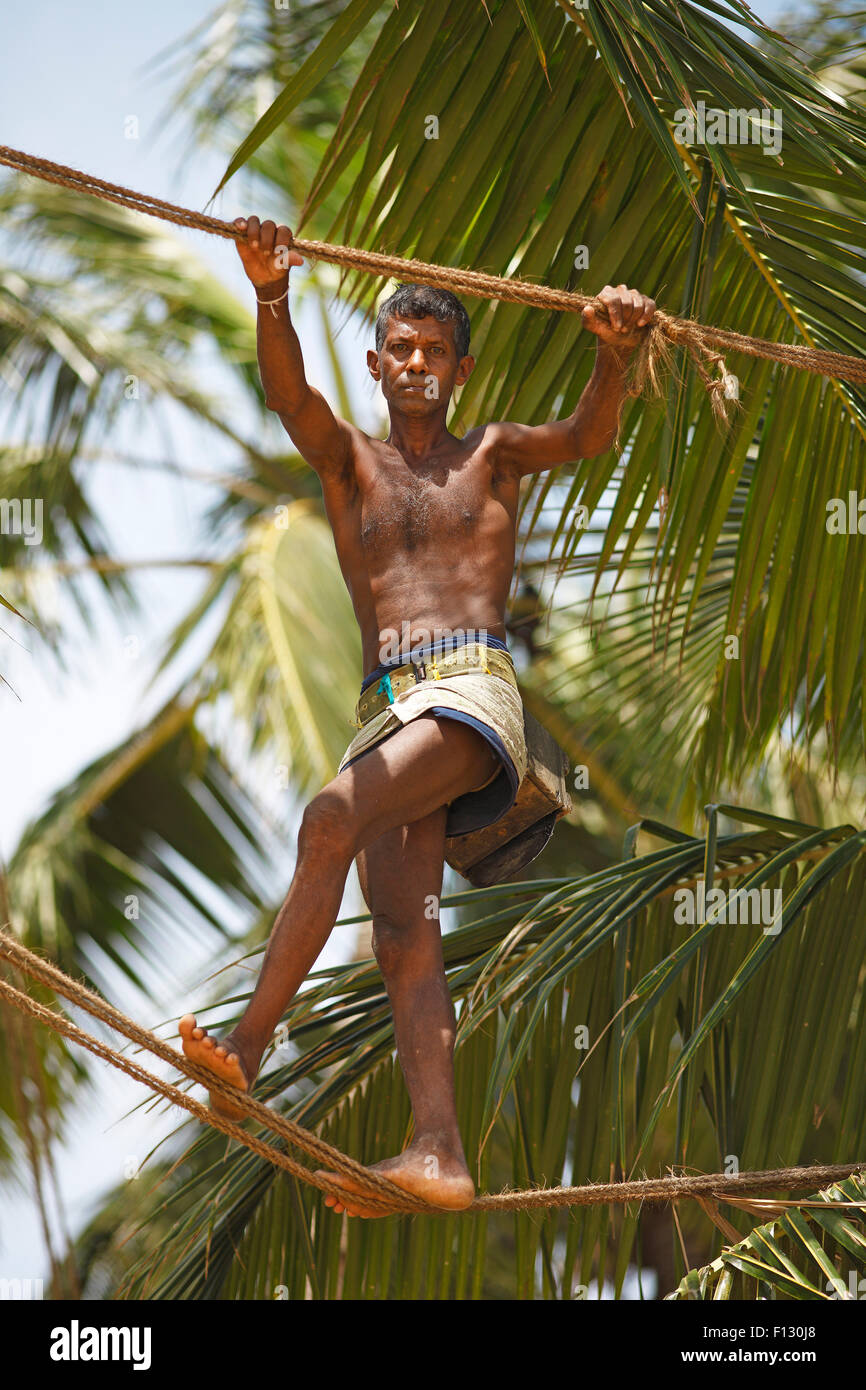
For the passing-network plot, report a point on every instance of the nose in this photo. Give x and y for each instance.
(417, 361)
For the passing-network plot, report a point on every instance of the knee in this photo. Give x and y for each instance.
(395, 945)
(388, 942)
(327, 826)
(402, 949)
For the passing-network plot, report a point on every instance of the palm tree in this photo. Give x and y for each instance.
(596, 1037)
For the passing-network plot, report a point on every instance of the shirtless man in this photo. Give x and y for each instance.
(424, 525)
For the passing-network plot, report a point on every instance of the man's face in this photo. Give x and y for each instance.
(418, 366)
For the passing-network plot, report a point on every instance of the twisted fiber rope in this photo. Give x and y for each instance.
(595, 1194)
(385, 1192)
(62, 1025)
(651, 359)
(673, 1189)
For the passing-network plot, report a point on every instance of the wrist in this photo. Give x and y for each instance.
(270, 289)
(270, 301)
(614, 356)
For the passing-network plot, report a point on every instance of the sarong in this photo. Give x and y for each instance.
(485, 702)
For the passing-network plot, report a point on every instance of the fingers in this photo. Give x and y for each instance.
(647, 311)
(266, 236)
(337, 1206)
(610, 298)
(260, 234)
(627, 309)
(266, 249)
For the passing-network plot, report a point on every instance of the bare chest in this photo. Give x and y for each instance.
(406, 509)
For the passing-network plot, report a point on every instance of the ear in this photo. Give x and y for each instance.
(373, 365)
(465, 368)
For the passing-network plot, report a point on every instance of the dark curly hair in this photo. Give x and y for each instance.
(421, 302)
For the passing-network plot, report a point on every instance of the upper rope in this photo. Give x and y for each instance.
(650, 362)
(376, 1192)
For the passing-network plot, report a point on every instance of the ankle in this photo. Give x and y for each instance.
(244, 1043)
(445, 1142)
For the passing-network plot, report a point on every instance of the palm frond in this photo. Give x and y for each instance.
(597, 1035)
(802, 1253)
(102, 877)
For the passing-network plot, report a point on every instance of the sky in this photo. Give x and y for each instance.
(70, 79)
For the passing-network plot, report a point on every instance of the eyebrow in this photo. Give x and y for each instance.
(404, 338)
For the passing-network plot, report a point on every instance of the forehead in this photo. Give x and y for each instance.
(426, 330)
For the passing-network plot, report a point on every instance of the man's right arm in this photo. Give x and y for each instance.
(320, 437)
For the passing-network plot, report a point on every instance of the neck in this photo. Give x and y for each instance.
(417, 437)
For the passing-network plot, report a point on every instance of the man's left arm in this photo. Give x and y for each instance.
(592, 428)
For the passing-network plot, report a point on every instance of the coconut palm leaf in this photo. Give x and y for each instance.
(288, 653)
(829, 32)
(84, 346)
(133, 270)
(38, 1074)
(802, 1253)
(597, 1035)
(610, 665)
(345, 23)
(153, 842)
(293, 687)
(215, 61)
(102, 877)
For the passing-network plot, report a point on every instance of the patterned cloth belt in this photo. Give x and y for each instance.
(473, 656)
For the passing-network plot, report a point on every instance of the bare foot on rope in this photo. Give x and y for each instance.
(223, 1058)
(426, 1169)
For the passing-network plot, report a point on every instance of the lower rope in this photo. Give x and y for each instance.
(651, 361)
(386, 1193)
(59, 1024)
(377, 1192)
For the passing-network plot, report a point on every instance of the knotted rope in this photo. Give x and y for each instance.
(377, 1192)
(650, 361)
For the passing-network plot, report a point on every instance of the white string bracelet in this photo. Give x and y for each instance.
(272, 302)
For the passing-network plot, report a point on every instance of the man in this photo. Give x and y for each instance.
(424, 525)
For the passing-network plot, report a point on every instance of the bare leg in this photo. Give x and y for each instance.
(419, 769)
(401, 878)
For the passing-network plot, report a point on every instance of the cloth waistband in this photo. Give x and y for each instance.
(447, 644)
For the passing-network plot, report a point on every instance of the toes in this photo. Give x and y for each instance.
(186, 1025)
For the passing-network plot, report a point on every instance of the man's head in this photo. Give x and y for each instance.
(422, 340)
